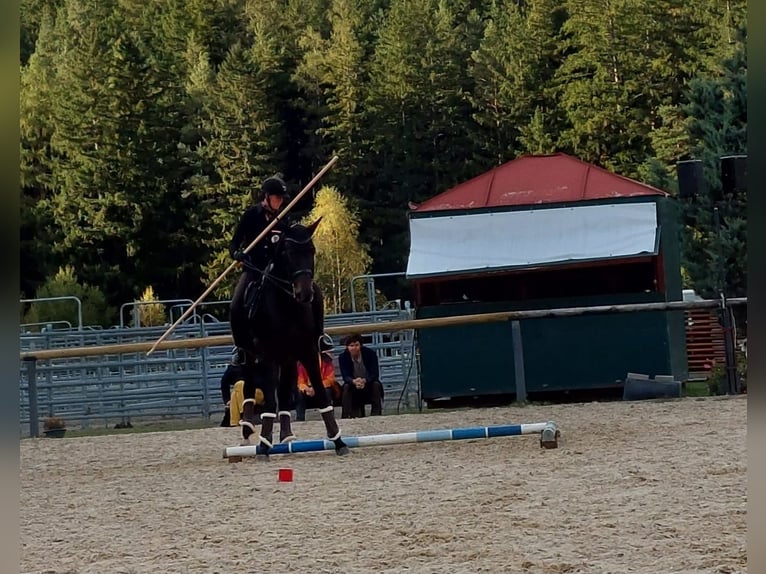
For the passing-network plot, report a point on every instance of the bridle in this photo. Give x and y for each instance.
(299, 272)
(284, 285)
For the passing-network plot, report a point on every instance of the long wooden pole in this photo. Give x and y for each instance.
(253, 243)
(549, 434)
(391, 326)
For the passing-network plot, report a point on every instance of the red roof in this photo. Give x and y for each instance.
(537, 179)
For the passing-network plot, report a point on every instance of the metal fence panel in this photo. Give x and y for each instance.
(176, 383)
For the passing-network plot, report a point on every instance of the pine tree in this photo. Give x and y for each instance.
(417, 119)
(117, 171)
(36, 170)
(333, 72)
(609, 90)
(493, 66)
(709, 120)
(65, 283)
(240, 145)
(715, 253)
(33, 15)
(512, 71)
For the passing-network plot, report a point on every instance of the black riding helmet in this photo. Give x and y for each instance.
(273, 185)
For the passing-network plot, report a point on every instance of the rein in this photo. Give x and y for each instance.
(276, 281)
(283, 285)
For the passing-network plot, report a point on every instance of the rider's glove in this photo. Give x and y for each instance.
(240, 256)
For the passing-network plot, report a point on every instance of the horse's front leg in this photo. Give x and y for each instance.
(311, 362)
(247, 421)
(267, 379)
(286, 388)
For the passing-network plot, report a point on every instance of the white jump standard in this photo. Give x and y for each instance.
(548, 431)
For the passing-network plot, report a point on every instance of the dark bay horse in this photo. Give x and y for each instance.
(286, 319)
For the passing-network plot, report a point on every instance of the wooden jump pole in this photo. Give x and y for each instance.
(388, 327)
(253, 243)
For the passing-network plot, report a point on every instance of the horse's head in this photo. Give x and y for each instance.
(297, 257)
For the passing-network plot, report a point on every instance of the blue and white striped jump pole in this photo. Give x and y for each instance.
(548, 432)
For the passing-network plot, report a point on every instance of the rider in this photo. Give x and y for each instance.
(252, 223)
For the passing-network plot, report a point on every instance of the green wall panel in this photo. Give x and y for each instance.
(593, 351)
(467, 360)
(562, 353)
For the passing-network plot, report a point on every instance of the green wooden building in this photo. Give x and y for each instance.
(546, 232)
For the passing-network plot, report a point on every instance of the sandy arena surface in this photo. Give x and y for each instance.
(650, 487)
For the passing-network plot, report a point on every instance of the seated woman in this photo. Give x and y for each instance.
(306, 393)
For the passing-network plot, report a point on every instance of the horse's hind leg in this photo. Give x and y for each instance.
(267, 431)
(247, 422)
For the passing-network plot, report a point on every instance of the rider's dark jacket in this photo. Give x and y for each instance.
(250, 225)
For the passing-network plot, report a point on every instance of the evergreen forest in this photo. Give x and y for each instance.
(145, 125)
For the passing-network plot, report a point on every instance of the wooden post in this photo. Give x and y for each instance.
(34, 417)
(732, 377)
(518, 363)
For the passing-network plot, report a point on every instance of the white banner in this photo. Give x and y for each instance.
(499, 240)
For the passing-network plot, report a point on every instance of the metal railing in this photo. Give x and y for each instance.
(62, 298)
(177, 383)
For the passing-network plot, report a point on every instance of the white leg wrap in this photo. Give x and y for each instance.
(336, 437)
(265, 442)
(248, 401)
(247, 424)
(285, 413)
(327, 409)
(268, 416)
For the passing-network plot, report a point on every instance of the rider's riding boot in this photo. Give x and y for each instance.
(285, 428)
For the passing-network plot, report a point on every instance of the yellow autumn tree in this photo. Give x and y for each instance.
(147, 312)
(340, 255)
